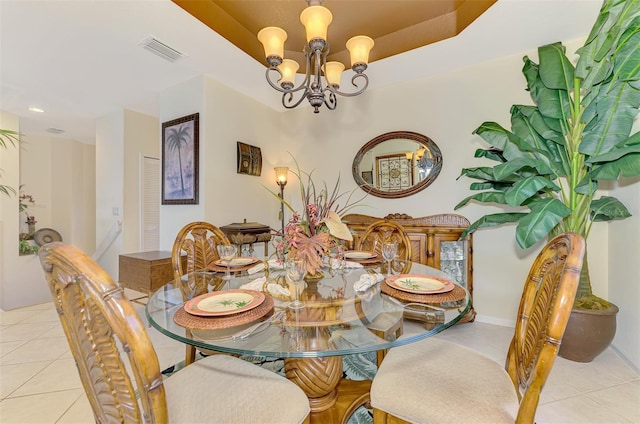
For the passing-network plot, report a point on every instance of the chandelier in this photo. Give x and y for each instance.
(315, 88)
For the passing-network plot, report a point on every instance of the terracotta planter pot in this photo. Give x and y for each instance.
(588, 333)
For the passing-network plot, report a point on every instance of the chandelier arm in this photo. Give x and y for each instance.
(302, 85)
(366, 84)
(288, 103)
(330, 101)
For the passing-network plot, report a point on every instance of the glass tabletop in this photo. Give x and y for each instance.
(335, 320)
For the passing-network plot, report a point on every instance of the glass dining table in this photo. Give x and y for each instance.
(335, 320)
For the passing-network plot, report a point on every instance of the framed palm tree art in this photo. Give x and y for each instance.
(180, 161)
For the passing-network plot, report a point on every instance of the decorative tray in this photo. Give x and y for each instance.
(194, 322)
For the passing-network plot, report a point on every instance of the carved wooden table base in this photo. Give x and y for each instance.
(317, 377)
(332, 399)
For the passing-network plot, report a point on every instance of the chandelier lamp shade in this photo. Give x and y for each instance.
(322, 79)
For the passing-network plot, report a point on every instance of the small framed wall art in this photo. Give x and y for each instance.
(249, 159)
(180, 151)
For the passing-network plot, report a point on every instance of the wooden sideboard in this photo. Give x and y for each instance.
(435, 241)
(146, 272)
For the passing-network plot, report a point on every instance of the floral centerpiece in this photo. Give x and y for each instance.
(311, 233)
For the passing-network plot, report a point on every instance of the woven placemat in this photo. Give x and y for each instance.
(194, 322)
(458, 293)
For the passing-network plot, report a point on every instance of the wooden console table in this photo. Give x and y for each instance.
(146, 272)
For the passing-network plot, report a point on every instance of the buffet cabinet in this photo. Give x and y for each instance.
(435, 241)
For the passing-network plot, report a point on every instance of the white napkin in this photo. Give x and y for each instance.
(273, 264)
(256, 284)
(366, 281)
(272, 288)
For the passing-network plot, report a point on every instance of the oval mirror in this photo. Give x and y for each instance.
(397, 164)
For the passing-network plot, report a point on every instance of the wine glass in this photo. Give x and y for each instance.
(295, 269)
(227, 252)
(336, 261)
(389, 251)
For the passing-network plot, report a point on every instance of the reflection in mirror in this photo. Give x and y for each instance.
(397, 164)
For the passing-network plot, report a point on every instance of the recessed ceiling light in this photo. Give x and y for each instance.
(35, 109)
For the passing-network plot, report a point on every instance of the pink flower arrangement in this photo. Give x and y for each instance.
(312, 233)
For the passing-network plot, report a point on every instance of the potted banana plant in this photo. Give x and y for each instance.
(577, 133)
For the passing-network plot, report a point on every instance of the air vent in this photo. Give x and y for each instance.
(55, 130)
(159, 48)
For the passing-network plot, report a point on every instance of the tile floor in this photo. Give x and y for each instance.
(39, 382)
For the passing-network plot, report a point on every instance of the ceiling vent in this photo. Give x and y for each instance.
(159, 48)
(55, 130)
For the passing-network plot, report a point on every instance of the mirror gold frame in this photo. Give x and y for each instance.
(397, 164)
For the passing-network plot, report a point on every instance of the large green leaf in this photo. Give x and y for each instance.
(626, 166)
(509, 171)
(632, 145)
(490, 185)
(544, 216)
(627, 59)
(481, 173)
(552, 103)
(493, 220)
(616, 109)
(546, 144)
(526, 188)
(608, 208)
(492, 154)
(494, 134)
(536, 123)
(485, 197)
(556, 71)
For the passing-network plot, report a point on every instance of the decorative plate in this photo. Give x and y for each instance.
(224, 302)
(237, 262)
(419, 283)
(46, 235)
(358, 254)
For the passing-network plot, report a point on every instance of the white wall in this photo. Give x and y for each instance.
(226, 117)
(181, 100)
(141, 134)
(624, 270)
(59, 174)
(109, 186)
(21, 278)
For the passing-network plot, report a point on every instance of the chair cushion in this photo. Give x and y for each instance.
(222, 389)
(436, 381)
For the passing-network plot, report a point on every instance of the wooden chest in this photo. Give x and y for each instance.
(146, 272)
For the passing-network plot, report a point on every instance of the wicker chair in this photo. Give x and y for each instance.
(198, 241)
(384, 230)
(439, 381)
(119, 368)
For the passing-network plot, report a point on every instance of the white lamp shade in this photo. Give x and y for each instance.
(359, 48)
(288, 69)
(316, 20)
(333, 72)
(272, 39)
